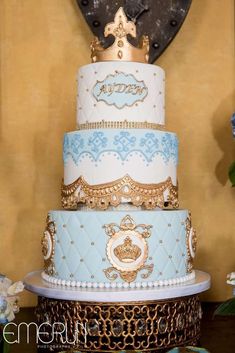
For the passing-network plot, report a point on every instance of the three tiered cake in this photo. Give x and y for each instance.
(121, 160)
(121, 233)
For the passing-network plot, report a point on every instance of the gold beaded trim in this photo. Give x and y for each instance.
(101, 196)
(120, 125)
(104, 327)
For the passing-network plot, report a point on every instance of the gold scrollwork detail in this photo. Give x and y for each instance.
(111, 273)
(191, 243)
(148, 269)
(125, 124)
(127, 249)
(102, 196)
(48, 246)
(143, 326)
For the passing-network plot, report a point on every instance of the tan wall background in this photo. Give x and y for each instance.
(42, 45)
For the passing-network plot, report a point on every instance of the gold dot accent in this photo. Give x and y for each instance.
(120, 43)
(72, 242)
(103, 259)
(169, 224)
(170, 256)
(81, 226)
(81, 260)
(71, 275)
(92, 276)
(92, 243)
(120, 54)
(160, 241)
(63, 257)
(64, 225)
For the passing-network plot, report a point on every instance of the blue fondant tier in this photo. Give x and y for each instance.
(118, 248)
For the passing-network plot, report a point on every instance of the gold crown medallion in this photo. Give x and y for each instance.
(121, 49)
(127, 250)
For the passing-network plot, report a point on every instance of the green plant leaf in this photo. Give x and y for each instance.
(6, 347)
(231, 174)
(226, 308)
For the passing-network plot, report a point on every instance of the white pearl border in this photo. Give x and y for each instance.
(107, 285)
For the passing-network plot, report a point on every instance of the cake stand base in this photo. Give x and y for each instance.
(104, 327)
(88, 320)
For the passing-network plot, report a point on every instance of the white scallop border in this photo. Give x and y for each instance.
(50, 246)
(191, 234)
(107, 285)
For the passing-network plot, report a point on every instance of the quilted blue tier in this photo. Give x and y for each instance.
(140, 159)
(118, 248)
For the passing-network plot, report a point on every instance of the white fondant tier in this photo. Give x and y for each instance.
(103, 157)
(119, 91)
(116, 249)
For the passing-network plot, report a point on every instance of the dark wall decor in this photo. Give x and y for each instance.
(159, 19)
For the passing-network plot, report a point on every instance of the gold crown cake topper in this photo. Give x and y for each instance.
(121, 49)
